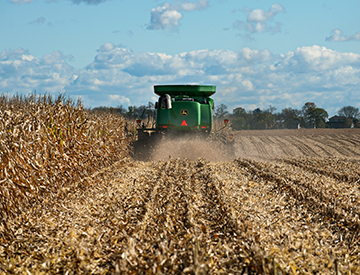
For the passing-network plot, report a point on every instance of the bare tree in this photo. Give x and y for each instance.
(349, 112)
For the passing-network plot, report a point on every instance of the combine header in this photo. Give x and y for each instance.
(181, 111)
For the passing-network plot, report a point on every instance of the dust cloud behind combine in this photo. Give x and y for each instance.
(260, 145)
(191, 149)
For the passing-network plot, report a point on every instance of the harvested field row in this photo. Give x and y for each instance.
(195, 217)
(318, 143)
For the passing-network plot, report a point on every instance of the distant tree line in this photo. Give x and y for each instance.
(142, 111)
(309, 116)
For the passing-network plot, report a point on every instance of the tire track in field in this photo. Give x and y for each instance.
(353, 139)
(319, 148)
(328, 140)
(305, 149)
(240, 148)
(354, 150)
(211, 207)
(247, 199)
(333, 142)
(259, 146)
(324, 150)
(287, 147)
(331, 150)
(247, 147)
(271, 147)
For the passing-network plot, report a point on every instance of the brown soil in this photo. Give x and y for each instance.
(274, 144)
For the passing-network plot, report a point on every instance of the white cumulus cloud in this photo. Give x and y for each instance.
(258, 20)
(316, 58)
(163, 17)
(246, 78)
(338, 36)
(120, 99)
(259, 15)
(190, 6)
(22, 72)
(168, 15)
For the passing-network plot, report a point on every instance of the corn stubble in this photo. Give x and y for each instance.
(287, 216)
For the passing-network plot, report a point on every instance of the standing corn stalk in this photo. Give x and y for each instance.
(48, 144)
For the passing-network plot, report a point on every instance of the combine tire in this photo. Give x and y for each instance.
(145, 146)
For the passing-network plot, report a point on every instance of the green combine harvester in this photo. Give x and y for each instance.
(181, 111)
(185, 108)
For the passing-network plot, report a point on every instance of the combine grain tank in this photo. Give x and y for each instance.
(184, 108)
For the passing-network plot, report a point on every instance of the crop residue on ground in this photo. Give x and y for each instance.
(286, 204)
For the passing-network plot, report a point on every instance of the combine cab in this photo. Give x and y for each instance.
(181, 110)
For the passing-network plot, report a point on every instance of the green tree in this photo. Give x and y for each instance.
(270, 110)
(121, 109)
(239, 112)
(318, 117)
(270, 117)
(262, 120)
(221, 111)
(131, 111)
(240, 119)
(288, 115)
(307, 119)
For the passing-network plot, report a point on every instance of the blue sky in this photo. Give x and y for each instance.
(111, 52)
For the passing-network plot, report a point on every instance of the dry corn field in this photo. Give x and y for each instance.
(288, 203)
